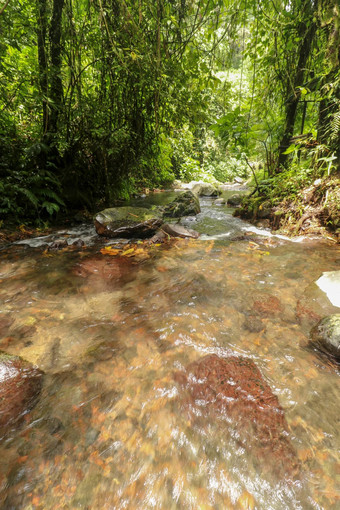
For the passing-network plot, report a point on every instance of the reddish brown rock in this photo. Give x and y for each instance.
(233, 391)
(267, 306)
(105, 268)
(20, 385)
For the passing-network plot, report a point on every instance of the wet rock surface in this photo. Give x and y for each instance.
(325, 337)
(127, 222)
(186, 204)
(179, 231)
(233, 391)
(235, 200)
(329, 283)
(20, 385)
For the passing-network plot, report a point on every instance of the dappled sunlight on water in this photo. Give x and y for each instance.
(110, 429)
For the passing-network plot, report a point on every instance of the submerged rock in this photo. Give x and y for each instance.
(267, 305)
(20, 386)
(253, 324)
(233, 391)
(179, 231)
(186, 204)
(205, 189)
(103, 268)
(127, 222)
(326, 336)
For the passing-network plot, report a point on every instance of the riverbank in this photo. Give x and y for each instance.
(313, 211)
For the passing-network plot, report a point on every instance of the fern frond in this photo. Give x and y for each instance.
(31, 196)
(51, 194)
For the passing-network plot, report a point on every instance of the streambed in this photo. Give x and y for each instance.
(110, 430)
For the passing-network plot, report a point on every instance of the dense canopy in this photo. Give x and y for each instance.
(100, 98)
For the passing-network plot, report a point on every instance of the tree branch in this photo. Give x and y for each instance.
(4, 7)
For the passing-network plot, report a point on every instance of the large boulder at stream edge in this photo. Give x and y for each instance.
(127, 222)
(232, 392)
(186, 204)
(205, 189)
(325, 337)
(20, 386)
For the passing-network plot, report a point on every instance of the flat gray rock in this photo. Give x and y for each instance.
(179, 231)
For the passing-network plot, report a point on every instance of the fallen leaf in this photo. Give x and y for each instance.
(127, 252)
(109, 251)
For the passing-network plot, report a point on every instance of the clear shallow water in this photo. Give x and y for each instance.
(109, 430)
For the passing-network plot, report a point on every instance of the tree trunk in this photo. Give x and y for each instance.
(307, 33)
(56, 86)
(329, 107)
(42, 59)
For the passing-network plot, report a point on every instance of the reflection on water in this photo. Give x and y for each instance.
(110, 429)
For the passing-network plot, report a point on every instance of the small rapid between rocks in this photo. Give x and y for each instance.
(183, 380)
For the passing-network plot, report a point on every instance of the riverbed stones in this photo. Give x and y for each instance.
(20, 386)
(325, 336)
(186, 204)
(253, 324)
(127, 222)
(205, 189)
(233, 391)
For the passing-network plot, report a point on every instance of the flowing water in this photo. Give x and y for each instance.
(110, 430)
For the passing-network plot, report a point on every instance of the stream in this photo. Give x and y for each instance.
(111, 428)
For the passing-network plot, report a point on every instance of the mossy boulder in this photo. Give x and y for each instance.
(127, 222)
(186, 204)
(205, 189)
(325, 336)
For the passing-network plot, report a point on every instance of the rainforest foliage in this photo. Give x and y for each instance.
(99, 98)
